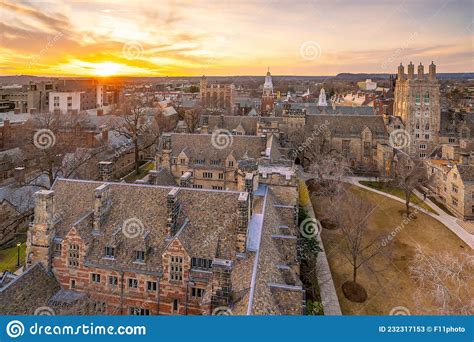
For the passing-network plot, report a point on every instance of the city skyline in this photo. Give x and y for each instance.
(303, 38)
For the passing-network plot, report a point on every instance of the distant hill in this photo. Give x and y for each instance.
(25, 79)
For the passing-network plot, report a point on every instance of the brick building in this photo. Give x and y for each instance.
(145, 250)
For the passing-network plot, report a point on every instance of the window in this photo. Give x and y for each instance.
(455, 201)
(207, 175)
(57, 248)
(422, 155)
(140, 256)
(417, 99)
(176, 268)
(417, 135)
(132, 283)
(113, 280)
(215, 162)
(417, 126)
(221, 176)
(197, 186)
(427, 126)
(427, 98)
(197, 292)
(216, 187)
(73, 284)
(346, 147)
(201, 263)
(138, 311)
(427, 136)
(452, 140)
(109, 252)
(151, 285)
(175, 306)
(99, 307)
(230, 163)
(95, 277)
(367, 148)
(199, 162)
(422, 146)
(73, 255)
(455, 188)
(472, 209)
(182, 161)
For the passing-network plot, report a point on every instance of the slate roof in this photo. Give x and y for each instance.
(29, 291)
(466, 172)
(205, 217)
(249, 123)
(348, 125)
(199, 146)
(451, 123)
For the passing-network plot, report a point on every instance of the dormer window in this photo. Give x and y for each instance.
(230, 163)
(200, 263)
(215, 162)
(140, 256)
(199, 162)
(109, 252)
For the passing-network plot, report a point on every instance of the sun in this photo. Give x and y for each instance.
(106, 69)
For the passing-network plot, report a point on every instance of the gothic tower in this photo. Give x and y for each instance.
(268, 98)
(417, 104)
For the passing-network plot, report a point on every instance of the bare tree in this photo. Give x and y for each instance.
(53, 136)
(408, 175)
(351, 213)
(192, 117)
(445, 280)
(140, 128)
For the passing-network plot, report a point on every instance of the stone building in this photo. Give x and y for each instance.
(217, 95)
(211, 165)
(453, 178)
(145, 250)
(417, 104)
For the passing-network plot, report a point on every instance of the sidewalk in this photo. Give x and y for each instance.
(327, 290)
(449, 221)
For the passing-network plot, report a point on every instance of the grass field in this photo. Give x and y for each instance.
(9, 257)
(397, 192)
(386, 278)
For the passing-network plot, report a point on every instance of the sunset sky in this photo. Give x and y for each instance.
(226, 37)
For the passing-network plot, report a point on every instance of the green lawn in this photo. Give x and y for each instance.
(386, 277)
(143, 172)
(9, 256)
(398, 193)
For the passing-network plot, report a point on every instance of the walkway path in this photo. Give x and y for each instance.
(448, 220)
(327, 289)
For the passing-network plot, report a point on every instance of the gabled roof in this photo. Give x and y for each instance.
(29, 291)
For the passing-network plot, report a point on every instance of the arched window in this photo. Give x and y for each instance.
(427, 126)
(417, 99)
(427, 98)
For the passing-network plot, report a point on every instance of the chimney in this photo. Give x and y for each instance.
(102, 205)
(243, 221)
(221, 283)
(105, 170)
(421, 71)
(174, 207)
(20, 175)
(105, 135)
(185, 180)
(152, 177)
(41, 232)
(432, 71)
(411, 71)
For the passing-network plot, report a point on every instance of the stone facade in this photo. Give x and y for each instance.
(417, 103)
